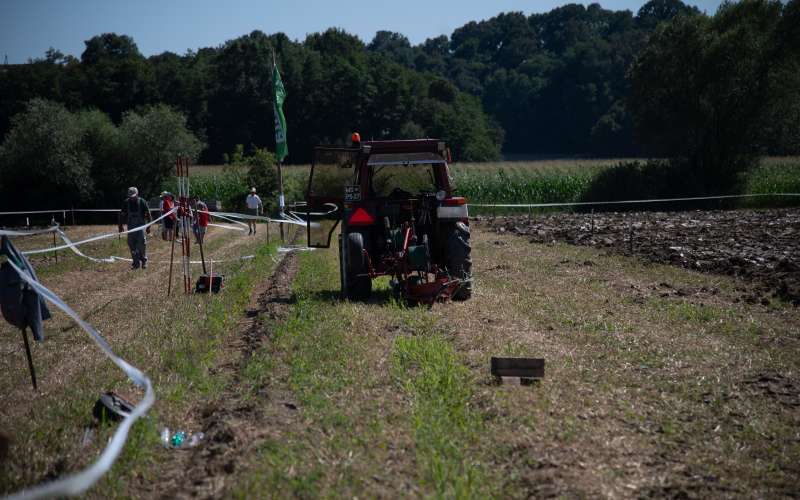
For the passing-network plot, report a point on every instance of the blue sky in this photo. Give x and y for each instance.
(29, 27)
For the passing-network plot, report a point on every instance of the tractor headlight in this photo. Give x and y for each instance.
(441, 195)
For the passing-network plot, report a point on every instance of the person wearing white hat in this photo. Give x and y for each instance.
(254, 207)
(135, 213)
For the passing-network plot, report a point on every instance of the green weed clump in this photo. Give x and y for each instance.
(429, 370)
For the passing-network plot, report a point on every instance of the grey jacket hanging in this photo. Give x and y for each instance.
(19, 303)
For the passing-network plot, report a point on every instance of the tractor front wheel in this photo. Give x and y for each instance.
(459, 259)
(358, 287)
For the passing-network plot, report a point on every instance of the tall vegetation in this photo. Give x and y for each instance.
(711, 93)
(707, 91)
(335, 86)
(241, 172)
(54, 158)
(43, 158)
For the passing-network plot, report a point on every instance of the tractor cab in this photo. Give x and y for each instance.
(399, 218)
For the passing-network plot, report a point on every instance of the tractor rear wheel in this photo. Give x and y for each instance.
(358, 287)
(459, 259)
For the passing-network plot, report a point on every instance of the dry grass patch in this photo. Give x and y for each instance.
(646, 392)
(331, 361)
(175, 341)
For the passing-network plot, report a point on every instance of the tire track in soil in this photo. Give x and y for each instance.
(235, 425)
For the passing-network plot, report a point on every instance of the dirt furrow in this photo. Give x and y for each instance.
(236, 423)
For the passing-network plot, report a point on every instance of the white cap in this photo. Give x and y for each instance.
(132, 191)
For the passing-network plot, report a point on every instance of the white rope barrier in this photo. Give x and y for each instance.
(233, 215)
(230, 220)
(73, 246)
(226, 226)
(32, 232)
(78, 483)
(36, 212)
(94, 238)
(113, 258)
(500, 205)
(654, 200)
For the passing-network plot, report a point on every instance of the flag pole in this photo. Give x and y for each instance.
(280, 197)
(281, 203)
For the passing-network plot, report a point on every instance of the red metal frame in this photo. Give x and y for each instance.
(434, 284)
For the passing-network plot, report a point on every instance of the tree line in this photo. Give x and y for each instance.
(712, 92)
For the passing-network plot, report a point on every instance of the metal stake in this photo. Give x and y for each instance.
(30, 358)
(171, 259)
(202, 257)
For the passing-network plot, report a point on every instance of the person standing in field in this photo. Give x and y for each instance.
(167, 204)
(135, 213)
(201, 217)
(254, 207)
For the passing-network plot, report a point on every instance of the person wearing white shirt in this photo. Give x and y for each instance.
(254, 207)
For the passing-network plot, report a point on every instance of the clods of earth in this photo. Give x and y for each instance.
(760, 246)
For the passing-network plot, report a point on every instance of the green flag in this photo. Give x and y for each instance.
(281, 148)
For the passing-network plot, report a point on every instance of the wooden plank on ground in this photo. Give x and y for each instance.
(518, 367)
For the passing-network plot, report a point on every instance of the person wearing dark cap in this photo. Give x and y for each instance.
(135, 213)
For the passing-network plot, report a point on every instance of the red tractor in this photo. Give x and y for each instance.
(399, 218)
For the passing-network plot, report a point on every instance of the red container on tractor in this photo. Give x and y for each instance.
(399, 218)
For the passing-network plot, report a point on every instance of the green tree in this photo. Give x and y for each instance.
(117, 76)
(262, 175)
(704, 93)
(151, 139)
(658, 11)
(101, 141)
(42, 162)
(393, 45)
(240, 106)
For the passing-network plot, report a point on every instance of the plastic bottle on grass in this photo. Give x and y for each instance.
(180, 439)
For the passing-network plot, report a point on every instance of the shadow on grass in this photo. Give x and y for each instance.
(381, 296)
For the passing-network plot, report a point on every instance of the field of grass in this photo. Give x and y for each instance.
(645, 393)
(174, 340)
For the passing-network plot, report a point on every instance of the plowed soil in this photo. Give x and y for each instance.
(760, 246)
